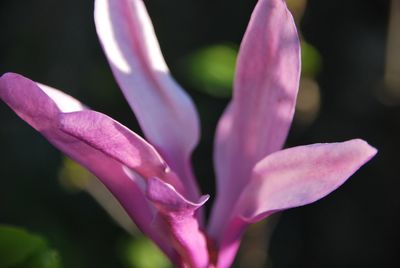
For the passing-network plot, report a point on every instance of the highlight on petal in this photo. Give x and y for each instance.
(260, 113)
(35, 103)
(182, 224)
(300, 175)
(165, 112)
(64, 102)
(37, 107)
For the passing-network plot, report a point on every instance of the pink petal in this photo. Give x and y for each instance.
(165, 112)
(33, 101)
(41, 107)
(260, 114)
(301, 175)
(291, 178)
(115, 140)
(183, 226)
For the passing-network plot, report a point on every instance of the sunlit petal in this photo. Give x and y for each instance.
(165, 112)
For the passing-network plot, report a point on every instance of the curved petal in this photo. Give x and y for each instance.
(261, 111)
(301, 175)
(169, 200)
(41, 108)
(115, 140)
(291, 178)
(183, 226)
(165, 112)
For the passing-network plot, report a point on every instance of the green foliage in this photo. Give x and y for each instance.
(21, 249)
(310, 60)
(141, 252)
(211, 69)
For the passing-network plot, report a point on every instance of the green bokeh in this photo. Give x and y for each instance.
(211, 69)
(311, 61)
(43, 259)
(141, 252)
(21, 249)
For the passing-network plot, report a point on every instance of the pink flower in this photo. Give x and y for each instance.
(153, 178)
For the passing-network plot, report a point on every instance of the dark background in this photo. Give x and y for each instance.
(54, 42)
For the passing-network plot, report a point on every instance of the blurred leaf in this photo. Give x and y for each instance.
(310, 60)
(73, 176)
(211, 69)
(142, 252)
(44, 259)
(21, 249)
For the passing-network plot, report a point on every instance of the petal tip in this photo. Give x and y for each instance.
(365, 148)
(203, 199)
(8, 75)
(169, 199)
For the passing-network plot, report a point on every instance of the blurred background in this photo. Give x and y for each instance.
(350, 88)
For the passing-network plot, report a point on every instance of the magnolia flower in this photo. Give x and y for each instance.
(153, 178)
